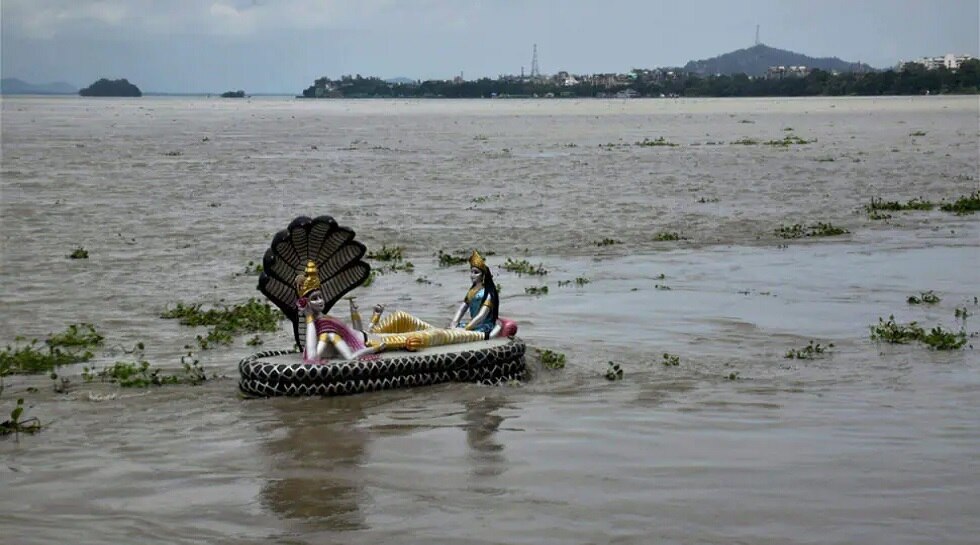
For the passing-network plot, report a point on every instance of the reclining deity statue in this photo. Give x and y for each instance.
(333, 267)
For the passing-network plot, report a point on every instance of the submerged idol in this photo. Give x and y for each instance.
(320, 262)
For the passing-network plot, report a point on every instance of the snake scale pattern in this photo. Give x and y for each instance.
(263, 378)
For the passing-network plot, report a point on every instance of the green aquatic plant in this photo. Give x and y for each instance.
(551, 359)
(789, 140)
(524, 267)
(71, 346)
(661, 141)
(818, 229)
(226, 322)
(450, 260)
(892, 332)
(940, 339)
(536, 290)
(607, 242)
(917, 133)
(370, 279)
(423, 280)
(386, 254)
(875, 215)
(15, 425)
(251, 269)
(809, 352)
(962, 313)
(138, 373)
(927, 297)
(964, 205)
(666, 236)
(670, 360)
(895, 206)
(614, 371)
(78, 253)
(745, 142)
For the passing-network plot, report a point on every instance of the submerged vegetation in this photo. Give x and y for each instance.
(386, 254)
(139, 374)
(661, 141)
(896, 333)
(78, 253)
(14, 425)
(818, 229)
(226, 322)
(809, 352)
(927, 297)
(614, 371)
(964, 205)
(670, 360)
(524, 267)
(550, 359)
(71, 346)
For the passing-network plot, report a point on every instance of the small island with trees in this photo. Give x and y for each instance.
(233, 94)
(111, 88)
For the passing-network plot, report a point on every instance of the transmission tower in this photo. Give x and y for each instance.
(535, 73)
(756, 34)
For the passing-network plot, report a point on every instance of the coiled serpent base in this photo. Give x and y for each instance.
(487, 365)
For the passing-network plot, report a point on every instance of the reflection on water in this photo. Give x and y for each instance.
(314, 462)
(481, 425)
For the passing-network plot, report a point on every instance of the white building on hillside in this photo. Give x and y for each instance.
(949, 61)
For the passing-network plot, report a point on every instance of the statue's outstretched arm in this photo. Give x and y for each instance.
(459, 315)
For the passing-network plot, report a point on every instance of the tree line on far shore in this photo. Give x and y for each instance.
(913, 79)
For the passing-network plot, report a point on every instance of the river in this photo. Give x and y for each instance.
(173, 196)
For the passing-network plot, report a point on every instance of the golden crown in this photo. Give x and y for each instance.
(476, 260)
(309, 282)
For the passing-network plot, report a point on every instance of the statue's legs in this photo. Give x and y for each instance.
(400, 322)
(402, 331)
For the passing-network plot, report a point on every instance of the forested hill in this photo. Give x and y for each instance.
(755, 60)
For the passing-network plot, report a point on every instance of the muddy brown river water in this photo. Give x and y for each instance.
(172, 197)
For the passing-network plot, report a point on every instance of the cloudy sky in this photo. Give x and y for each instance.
(270, 46)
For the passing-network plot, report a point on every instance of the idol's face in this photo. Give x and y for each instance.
(316, 301)
(476, 275)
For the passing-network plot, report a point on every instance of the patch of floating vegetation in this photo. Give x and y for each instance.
(962, 313)
(614, 371)
(895, 206)
(662, 287)
(536, 290)
(251, 269)
(485, 198)
(704, 200)
(917, 133)
(550, 358)
(450, 260)
(226, 322)
(790, 140)
(524, 267)
(396, 267)
(579, 281)
(667, 236)
(745, 142)
(386, 254)
(927, 297)
(938, 338)
(423, 280)
(370, 279)
(71, 346)
(661, 141)
(173, 154)
(964, 205)
(607, 242)
(78, 253)
(818, 229)
(15, 425)
(809, 352)
(139, 374)
(670, 360)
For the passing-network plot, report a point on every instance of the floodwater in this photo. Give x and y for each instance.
(172, 197)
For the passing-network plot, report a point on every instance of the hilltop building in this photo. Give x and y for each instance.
(948, 61)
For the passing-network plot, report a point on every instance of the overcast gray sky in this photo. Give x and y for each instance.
(268, 46)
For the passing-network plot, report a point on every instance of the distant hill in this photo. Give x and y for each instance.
(397, 81)
(113, 88)
(755, 60)
(14, 86)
